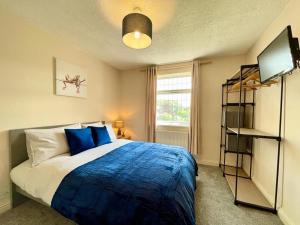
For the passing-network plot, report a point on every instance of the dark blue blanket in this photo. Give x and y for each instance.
(137, 184)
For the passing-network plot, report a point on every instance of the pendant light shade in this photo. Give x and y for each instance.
(137, 31)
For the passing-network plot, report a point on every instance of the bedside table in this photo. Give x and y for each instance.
(124, 137)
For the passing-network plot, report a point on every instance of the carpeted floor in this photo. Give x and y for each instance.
(214, 206)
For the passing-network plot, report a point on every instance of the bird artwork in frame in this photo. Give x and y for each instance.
(71, 80)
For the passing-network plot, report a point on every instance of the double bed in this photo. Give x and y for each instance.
(124, 182)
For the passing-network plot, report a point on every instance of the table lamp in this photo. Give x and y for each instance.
(119, 124)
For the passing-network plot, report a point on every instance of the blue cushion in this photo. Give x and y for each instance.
(79, 140)
(100, 135)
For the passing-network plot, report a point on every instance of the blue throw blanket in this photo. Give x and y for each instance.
(137, 184)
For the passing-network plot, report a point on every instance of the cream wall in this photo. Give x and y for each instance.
(132, 107)
(267, 119)
(133, 96)
(212, 76)
(27, 87)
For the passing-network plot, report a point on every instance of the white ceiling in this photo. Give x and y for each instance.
(183, 29)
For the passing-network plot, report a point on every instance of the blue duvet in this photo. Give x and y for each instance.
(137, 184)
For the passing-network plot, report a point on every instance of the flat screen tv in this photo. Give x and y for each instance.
(280, 57)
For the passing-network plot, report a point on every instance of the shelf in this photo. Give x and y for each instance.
(242, 152)
(246, 70)
(228, 131)
(231, 82)
(253, 133)
(237, 104)
(231, 170)
(248, 192)
(249, 75)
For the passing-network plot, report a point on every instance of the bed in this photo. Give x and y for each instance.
(124, 182)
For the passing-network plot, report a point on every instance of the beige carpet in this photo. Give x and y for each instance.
(214, 206)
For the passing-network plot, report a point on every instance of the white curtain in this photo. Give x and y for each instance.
(194, 132)
(151, 74)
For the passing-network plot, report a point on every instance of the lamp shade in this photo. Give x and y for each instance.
(137, 31)
(119, 124)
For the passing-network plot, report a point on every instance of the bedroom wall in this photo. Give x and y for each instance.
(27, 86)
(132, 106)
(212, 77)
(267, 110)
(133, 96)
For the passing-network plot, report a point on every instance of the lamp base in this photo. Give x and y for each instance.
(119, 132)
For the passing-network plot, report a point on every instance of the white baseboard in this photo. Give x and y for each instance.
(267, 195)
(5, 207)
(5, 204)
(284, 218)
(282, 215)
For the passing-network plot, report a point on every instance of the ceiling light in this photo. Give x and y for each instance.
(137, 34)
(137, 31)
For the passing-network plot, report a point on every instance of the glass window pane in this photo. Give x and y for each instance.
(173, 109)
(174, 83)
(173, 105)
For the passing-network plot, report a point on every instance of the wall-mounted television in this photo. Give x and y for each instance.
(280, 57)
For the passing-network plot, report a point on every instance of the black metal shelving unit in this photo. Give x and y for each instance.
(245, 130)
(226, 104)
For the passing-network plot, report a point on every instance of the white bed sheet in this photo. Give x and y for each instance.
(43, 180)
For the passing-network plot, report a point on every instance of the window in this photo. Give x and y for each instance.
(173, 99)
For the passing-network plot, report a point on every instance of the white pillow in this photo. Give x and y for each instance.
(43, 144)
(111, 132)
(97, 124)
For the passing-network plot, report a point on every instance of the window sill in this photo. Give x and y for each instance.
(172, 128)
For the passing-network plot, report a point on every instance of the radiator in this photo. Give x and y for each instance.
(179, 138)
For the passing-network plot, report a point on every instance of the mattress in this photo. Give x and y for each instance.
(43, 180)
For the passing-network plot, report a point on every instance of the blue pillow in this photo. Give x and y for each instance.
(100, 135)
(79, 140)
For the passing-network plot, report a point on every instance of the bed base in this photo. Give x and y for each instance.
(18, 154)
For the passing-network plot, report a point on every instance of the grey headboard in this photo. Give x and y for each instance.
(18, 154)
(17, 142)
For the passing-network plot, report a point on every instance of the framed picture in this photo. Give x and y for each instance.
(71, 80)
